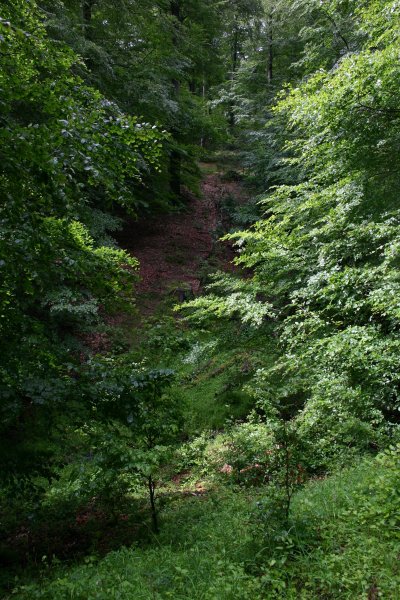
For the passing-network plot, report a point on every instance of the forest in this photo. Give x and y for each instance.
(200, 299)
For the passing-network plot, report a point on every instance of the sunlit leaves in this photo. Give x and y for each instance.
(67, 155)
(325, 255)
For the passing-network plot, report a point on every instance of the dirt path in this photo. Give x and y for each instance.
(172, 248)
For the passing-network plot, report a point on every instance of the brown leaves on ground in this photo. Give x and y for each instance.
(171, 248)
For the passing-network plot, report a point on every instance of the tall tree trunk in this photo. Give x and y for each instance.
(87, 7)
(203, 95)
(270, 59)
(175, 157)
(235, 56)
(176, 9)
(175, 168)
(87, 14)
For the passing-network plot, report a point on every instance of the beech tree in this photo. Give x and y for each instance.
(68, 156)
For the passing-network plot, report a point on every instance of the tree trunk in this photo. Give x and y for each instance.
(154, 515)
(175, 172)
(175, 157)
(270, 60)
(176, 9)
(235, 50)
(87, 7)
(203, 95)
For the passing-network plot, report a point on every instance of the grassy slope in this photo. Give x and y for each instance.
(218, 540)
(342, 542)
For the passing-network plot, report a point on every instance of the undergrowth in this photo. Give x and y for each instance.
(341, 541)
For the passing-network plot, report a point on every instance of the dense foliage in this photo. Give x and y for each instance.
(68, 156)
(245, 442)
(325, 257)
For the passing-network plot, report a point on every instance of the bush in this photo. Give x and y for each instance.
(342, 539)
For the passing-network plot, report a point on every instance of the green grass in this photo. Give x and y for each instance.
(209, 405)
(208, 168)
(201, 553)
(343, 539)
(209, 378)
(342, 542)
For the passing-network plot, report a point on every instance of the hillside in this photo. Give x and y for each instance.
(199, 299)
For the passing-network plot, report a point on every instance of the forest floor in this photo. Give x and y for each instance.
(218, 536)
(174, 250)
(176, 253)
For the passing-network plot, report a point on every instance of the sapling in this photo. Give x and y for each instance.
(157, 425)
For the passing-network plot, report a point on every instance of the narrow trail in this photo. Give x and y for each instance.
(172, 249)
